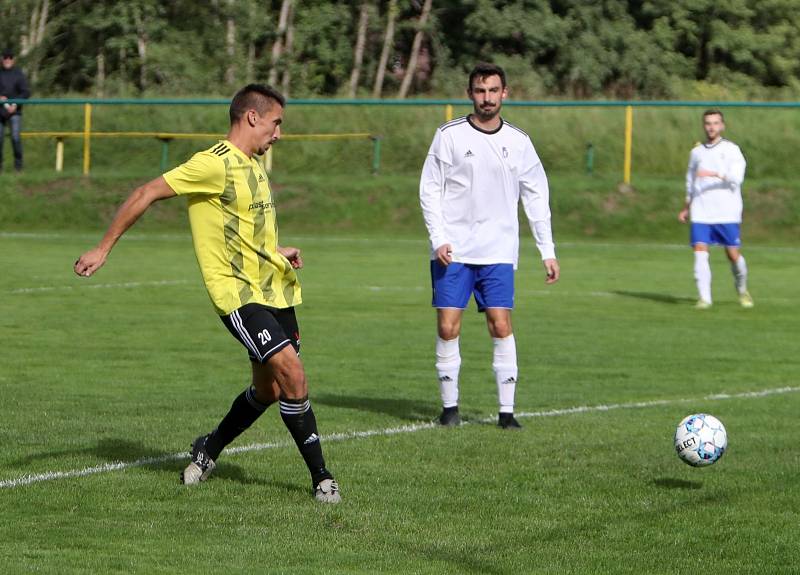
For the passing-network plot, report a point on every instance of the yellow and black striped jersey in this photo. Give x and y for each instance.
(234, 229)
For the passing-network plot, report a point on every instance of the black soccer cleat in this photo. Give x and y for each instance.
(201, 465)
(450, 417)
(507, 421)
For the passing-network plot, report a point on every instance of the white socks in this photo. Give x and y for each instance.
(739, 269)
(448, 362)
(702, 275)
(504, 363)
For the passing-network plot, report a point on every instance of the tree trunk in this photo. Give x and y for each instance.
(42, 22)
(251, 61)
(277, 46)
(288, 52)
(411, 68)
(29, 39)
(251, 47)
(141, 46)
(230, 47)
(388, 39)
(358, 54)
(100, 80)
(33, 39)
(123, 69)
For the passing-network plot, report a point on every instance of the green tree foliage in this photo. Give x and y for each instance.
(324, 39)
(563, 48)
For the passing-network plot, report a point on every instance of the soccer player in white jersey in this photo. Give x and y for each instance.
(477, 169)
(714, 207)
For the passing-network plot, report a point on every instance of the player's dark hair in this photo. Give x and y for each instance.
(258, 97)
(714, 112)
(484, 70)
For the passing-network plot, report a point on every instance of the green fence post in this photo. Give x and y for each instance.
(376, 154)
(164, 153)
(626, 170)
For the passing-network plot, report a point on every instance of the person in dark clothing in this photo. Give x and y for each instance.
(13, 86)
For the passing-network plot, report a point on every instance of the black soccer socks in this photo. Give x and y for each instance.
(244, 411)
(299, 419)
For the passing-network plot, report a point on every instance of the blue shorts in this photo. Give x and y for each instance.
(716, 234)
(492, 285)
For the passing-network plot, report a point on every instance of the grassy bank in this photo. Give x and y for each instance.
(328, 185)
(583, 206)
(662, 137)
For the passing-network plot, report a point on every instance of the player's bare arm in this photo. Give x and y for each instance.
(552, 270)
(130, 211)
(293, 255)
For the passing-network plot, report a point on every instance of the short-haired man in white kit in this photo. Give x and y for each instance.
(477, 169)
(714, 206)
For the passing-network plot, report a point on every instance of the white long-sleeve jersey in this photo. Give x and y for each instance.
(715, 200)
(470, 189)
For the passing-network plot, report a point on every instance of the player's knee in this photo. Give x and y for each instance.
(449, 331)
(289, 374)
(267, 392)
(500, 328)
(293, 385)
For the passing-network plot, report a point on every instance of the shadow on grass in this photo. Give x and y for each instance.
(474, 561)
(657, 297)
(135, 454)
(112, 450)
(672, 483)
(408, 409)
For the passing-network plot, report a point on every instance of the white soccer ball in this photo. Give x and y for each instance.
(700, 439)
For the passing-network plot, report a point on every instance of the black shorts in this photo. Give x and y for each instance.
(263, 330)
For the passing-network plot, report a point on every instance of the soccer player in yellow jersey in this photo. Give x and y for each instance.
(250, 279)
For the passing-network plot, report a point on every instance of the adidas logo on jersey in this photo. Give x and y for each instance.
(311, 439)
(260, 178)
(469, 154)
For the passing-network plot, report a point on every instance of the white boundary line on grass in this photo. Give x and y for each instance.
(122, 465)
(98, 286)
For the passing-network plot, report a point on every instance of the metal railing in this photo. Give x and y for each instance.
(166, 137)
(87, 134)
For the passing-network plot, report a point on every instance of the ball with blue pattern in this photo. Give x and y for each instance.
(700, 439)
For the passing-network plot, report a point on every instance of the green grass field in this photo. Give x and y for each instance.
(105, 382)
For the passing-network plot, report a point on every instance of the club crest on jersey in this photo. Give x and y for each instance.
(505, 152)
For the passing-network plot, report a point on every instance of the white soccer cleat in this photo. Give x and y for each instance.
(702, 304)
(201, 465)
(193, 474)
(746, 300)
(327, 491)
